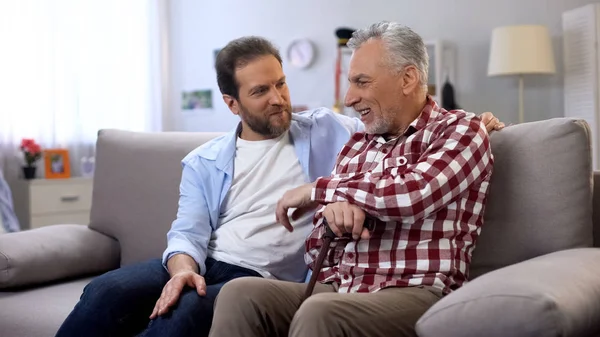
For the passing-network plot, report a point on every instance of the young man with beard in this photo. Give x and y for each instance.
(405, 202)
(225, 226)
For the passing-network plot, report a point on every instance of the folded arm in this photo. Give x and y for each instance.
(458, 157)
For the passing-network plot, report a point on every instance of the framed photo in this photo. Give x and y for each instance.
(198, 99)
(57, 164)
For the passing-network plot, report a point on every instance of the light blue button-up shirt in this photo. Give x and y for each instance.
(318, 135)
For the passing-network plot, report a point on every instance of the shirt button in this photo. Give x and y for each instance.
(350, 255)
(346, 277)
(384, 151)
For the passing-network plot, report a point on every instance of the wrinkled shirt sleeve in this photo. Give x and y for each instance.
(191, 230)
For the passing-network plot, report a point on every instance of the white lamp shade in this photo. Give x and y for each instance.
(523, 49)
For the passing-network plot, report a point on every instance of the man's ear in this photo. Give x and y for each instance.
(232, 104)
(410, 79)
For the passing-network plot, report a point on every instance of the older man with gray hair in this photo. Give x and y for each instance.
(405, 202)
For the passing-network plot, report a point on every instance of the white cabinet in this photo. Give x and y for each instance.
(44, 202)
(581, 65)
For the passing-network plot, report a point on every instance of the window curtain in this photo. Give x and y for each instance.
(8, 218)
(71, 67)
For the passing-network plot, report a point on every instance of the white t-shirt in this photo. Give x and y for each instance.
(248, 234)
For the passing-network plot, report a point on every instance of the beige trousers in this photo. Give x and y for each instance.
(252, 306)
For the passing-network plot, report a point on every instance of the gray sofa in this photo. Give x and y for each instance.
(534, 271)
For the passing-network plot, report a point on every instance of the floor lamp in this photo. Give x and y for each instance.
(521, 50)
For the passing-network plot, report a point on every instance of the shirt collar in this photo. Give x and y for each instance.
(224, 159)
(430, 113)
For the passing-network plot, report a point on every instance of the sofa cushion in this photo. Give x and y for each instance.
(552, 295)
(136, 187)
(38, 312)
(540, 197)
(54, 253)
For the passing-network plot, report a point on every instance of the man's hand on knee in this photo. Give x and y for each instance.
(173, 288)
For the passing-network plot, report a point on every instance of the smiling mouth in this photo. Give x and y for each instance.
(364, 112)
(277, 113)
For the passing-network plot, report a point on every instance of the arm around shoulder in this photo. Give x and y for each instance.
(350, 124)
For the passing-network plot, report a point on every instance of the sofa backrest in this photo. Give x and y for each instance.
(540, 194)
(136, 187)
(540, 198)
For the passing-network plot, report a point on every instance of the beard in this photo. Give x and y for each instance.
(379, 126)
(382, 124)
(265, 123)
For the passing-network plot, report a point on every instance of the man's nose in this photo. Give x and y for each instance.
(276, 98)
(351, 98)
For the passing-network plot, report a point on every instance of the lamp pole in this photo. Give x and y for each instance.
(521, 117)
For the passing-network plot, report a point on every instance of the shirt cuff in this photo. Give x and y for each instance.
(175, 249)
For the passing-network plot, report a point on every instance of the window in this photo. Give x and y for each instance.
(69, 68)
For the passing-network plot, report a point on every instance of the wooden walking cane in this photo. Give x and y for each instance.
(327, 238)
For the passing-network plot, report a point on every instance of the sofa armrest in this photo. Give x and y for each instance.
(557, 294)
(53, 253)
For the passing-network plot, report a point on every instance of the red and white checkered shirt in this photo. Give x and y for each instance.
(424, 192)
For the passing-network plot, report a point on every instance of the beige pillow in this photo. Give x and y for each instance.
(54, 253)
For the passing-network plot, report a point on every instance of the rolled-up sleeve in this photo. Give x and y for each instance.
(191, 230)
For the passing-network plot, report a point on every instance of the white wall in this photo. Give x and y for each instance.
(198, 27)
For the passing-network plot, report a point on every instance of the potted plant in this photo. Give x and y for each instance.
(32, 152)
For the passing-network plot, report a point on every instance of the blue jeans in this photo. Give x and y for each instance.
(118, 303)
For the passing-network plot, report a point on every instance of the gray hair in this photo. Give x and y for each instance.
(404, 46)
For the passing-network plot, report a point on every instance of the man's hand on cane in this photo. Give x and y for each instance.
(342, 217)
(346, 218)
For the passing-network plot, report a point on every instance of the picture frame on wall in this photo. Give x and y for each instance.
(57, 164)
